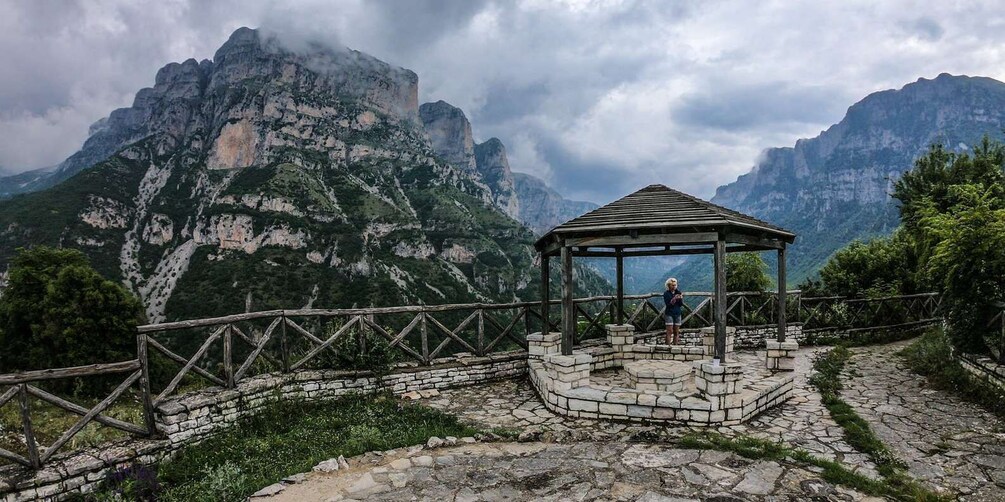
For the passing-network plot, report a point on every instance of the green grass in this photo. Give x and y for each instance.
(291, 437)
(932, 356)
(754, 448)
(856, 431)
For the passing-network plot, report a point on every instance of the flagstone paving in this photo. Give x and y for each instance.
(946, 442)
(512, 405)
(571, 471)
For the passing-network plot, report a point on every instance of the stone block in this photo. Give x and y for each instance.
(613, 409)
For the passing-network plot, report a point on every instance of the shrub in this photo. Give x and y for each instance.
(57, 311)
(868, 269)
(355, 349)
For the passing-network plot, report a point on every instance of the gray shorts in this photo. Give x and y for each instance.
(672, 319)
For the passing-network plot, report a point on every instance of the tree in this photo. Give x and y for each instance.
(927, 187)
(880, 267)
(746, 272)
(968, 256)
(57, 311)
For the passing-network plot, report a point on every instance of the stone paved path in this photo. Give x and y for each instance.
(948, 443)
(576, 471)
(802, 421)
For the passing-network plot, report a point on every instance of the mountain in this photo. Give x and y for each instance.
(273, 178)
(521, 196)
(834, 188)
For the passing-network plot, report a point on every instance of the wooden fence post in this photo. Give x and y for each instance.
(148, 404)
(284, 357)
(424, 331)
(29, 433)
(481, 332)
(228, 356)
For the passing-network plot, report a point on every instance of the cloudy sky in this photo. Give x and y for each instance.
(598, 98)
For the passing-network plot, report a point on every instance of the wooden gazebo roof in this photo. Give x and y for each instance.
(661, 216)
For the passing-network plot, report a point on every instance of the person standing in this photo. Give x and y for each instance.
(673, 298)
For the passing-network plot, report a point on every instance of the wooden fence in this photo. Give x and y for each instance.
(20, 386)
(224, 351)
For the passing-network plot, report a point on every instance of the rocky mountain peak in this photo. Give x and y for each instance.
(493, 167)
(835, 188)
(449, 134)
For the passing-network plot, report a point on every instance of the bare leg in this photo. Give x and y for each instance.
(676, 334)
(669, 333)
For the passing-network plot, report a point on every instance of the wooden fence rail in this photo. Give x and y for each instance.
(225, 351)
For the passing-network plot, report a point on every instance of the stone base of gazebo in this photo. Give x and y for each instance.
(718, 396)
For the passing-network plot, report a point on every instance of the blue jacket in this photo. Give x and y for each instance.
(674, 305)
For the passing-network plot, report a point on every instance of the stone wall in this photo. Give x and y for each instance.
(193, 417)
(985, 368)
(563, 382)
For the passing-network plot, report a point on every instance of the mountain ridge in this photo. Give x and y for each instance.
(834, 188)
(270, 178)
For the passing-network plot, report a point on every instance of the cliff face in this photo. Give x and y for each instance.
(835, 188)
(449, 133)
(270, 178)
(541, 207)
(493, 167)
(523, 197)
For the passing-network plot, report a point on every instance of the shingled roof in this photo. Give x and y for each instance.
(658, 209)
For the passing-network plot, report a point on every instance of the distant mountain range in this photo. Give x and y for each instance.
(271, 178)
(835, 188)
(274, 178)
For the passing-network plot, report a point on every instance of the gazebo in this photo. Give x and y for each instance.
(658, 221)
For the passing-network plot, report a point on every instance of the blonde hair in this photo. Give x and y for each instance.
(672, 279)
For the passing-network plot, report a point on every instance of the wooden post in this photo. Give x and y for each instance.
(621, 287)
(545, 295)
(284, 348)
(568, 308)
(148, 403)
(228, 355)
(424, 331)
(481, 332)
(29, 433)
(782, 292)
(720, 300)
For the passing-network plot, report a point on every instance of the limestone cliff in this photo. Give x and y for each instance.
(523, 197)
(272, 178)
(834, 188)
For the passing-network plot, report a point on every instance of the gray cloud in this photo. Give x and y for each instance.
(598, 98)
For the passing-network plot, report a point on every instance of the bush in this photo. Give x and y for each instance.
(879, 267)
(57, 311)
(355, 349)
